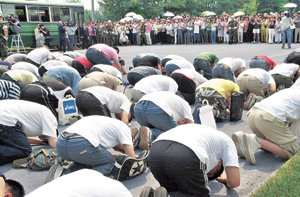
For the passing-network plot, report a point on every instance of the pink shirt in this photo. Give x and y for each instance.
(148, 29)
(108, 51)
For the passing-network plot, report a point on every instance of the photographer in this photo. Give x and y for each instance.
(39, 38)
(256, 29)
(46, 35)
(14, 26)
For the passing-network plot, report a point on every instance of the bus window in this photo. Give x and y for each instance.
(8, 9)
(21, 13)
(65, 14)
(39, 14)
(55, 14)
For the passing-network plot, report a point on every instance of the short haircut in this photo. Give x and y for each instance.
(15, 188)
(116, 48)
(217, 173)
(148, 60)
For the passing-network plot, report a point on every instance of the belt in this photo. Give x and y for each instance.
(67, 135)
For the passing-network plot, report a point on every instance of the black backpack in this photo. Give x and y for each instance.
(237, 106)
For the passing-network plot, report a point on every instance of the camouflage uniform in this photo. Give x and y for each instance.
(110, 29)
(3, 41)
(143, 37)
(233, 32)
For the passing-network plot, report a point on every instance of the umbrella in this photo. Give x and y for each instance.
(127, 19)
(169, 14)
(239, 13)
(138, 17)
(130, 14)
(208, 13)
(290, 5)
(178, 17)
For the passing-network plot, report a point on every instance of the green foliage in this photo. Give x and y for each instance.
(251, 7)
(285, 182)
(97, 16)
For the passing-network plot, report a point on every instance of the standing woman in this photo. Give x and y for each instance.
(220, 30)
(226, 37)
(263, 30)
(278, 31)
(245, 29)
(213, 31)
(240, 30)
(271, 30)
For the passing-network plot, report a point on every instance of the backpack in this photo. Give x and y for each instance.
(237, 106)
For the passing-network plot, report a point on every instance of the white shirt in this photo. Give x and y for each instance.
(83, 182)
(191, 74)
(285, 69)
(115, 101)
(39, 55)
(172, 104)
(233, 62)
(109, 70)
(261, 75)
(173, 57)
(181, 63)
(26, 66)
(196, 27)
(102, 130)
(210, 145)
(52, 63)
(156, 83)
(284, 105)
(36, 119)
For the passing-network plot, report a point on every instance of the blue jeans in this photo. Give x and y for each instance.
(213, 37)
(85, 155)
(196, 37)
(286, 34)
(13, 143)
(171, 68)
(96, 57)
(222, 71)
(204, 67)
(150, 115)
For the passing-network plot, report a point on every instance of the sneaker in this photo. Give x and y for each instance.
(253, 42)
(135, 136)
(147, 192)
(251, 145)
(144, 138)
(237, 138)
(160, 192)
(55, 171)
(251, 99)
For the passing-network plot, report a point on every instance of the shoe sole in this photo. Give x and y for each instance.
(250, 102)
(246, 151)
(235, 139)
(144, 139)
(160, 192)
(55, 171)
(135, 136)
(147, 192)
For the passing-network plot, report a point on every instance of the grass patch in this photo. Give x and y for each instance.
(286, 182)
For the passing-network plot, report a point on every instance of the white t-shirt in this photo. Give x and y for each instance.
(191, 74)
(233, 62)
(284, 105)
(285, 69)
(109, 70)
(83, 182)
(52, 63)
(115, 101)
(26, 66)
(156, 83)
(36, 119)
(174, 57)
(181, 63)
(39, 55)
(210, 145)
(172, 104)
(197, 27)
(261, 75)
(102, 130)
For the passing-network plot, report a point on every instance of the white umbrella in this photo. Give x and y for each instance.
(208, 13)
(178, 17)
(128, 19)
(239, 13)
(138, 17)
(130, 14)
(169, 14)
(290, 5)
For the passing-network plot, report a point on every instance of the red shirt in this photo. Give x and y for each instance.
(271, 63)
(84, 61)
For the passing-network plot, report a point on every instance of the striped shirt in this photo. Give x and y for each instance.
(9, 90)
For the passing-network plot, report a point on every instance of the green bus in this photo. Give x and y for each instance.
(29, 13)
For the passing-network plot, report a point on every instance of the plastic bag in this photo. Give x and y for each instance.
(206, 115)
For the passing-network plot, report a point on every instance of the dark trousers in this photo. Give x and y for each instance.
(13, 143)
(203, 66)
(133, 77)
(62, 44)
(96, 57)
(177, 168)
(80, 68)
(186, 86)
(71, 43)
(89, 105)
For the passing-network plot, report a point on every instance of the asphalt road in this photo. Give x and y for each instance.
(251, 176)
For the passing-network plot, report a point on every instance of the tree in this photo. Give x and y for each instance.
(251, 7)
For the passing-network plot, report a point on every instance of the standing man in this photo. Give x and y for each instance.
(62, 37)
(3, 38)
(233, 34)
(256, 29)
(286, 23)
(71, 32)
(110, 29)
(297, 30)
(39, 38)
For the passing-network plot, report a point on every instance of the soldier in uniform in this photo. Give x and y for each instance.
(143, 37)
(3, 38)
(233, 32)
(110, 29)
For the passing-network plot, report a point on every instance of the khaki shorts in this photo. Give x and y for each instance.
(106, 81)
(268, 127)
(249, 84)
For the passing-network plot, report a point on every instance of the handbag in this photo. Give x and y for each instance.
(66, 109)
(206, 115)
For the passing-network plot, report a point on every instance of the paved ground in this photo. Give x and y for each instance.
(251, 176)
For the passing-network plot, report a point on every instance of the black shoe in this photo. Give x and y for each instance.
(147, 192)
